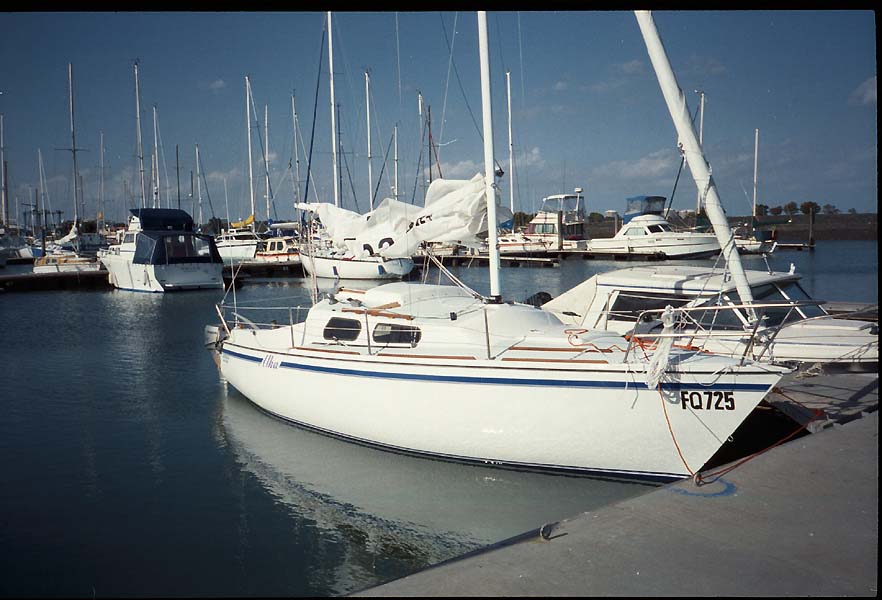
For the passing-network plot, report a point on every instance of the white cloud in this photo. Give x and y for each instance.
(561, 86)
(704, 65)
(463, 169)
(217, 85)
(660, 162)
(632, 67)
(865, 93)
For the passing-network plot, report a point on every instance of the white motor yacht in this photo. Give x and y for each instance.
(647, 234)
(160, 252)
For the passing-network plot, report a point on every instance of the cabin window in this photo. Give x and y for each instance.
(719, 319)
(655, 229)
(342, 330)
(129, 238)
(635, 231)
(392, 333)
(628, 306)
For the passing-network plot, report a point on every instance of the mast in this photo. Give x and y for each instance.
(755, 155)
(266, 157)
(157, 199)
(138, 128)
(178, 174)
(73, 146)
(101, 180)
(296, 154)
(700, 144)
(489, 168)
(510, 145)
(395, 131)
(4, 213)
(367, 104)
(199, 187)
(250, 159)
(698, 165)
(333, 105)
(420, 111)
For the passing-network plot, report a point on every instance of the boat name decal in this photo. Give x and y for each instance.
(707, 400)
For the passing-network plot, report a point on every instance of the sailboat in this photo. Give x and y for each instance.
(328, 256)
(444, 372)
(68, 257)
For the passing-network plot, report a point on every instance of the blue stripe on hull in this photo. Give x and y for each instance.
(747, 387)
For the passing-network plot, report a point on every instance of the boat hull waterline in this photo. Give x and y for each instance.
(491, 415)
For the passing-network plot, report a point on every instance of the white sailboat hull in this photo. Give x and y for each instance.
(237, 250)
(487, 411)
(341, 268)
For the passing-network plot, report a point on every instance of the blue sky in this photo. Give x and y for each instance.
(586, 108)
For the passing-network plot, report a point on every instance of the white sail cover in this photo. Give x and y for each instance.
(455, 211)
(72, 235)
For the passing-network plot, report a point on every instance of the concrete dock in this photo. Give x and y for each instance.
(799, 520)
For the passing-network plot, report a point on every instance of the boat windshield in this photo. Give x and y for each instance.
(557, 204)
(772, 316)
(794, 291)
(628, 305)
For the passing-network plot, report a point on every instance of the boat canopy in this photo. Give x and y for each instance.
(174, 247)
(566, 203)
(163, 219)
(644, 205)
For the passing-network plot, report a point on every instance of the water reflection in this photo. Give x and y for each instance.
(382, 506)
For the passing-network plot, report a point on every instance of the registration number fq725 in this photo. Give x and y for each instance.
(707, 400)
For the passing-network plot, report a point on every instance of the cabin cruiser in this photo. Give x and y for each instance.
(236, 245)
(279, 249)
(646, 234)
(160, 252)
(796, 329)
(545, 232)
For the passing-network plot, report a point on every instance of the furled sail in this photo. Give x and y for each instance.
(455, 211)
(243, 224)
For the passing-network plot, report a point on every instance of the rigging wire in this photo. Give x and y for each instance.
(447, 83)
(314, 111)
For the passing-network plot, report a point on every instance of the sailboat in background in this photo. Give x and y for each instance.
(488, 381)
(751, 243)
(68, 253)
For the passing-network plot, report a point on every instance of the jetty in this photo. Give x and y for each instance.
(799, 520)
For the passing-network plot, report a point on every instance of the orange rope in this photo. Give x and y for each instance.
(817, 413)
(671, 429)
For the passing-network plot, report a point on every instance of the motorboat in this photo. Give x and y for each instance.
(279, 249)
(160, 252)
(646, 234)
(559, 224)
(793, 327)
(442, 371)
(237, 244)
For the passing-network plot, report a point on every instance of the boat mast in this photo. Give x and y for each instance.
(367, 104)
(698, 165)
(250, 159)
(73, 146)
(755, 155)
(296, 154)
(4, 213)
(199, 187)
(157, 198)
(510, 146)
(138, 128)
(266, 157)
(489, 167)
(395, 132)
(101, 180)
(700, 143)
(333, 108)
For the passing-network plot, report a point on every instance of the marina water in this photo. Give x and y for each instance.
(131, 469)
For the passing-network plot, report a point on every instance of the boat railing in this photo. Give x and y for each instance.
(260, 317)
(686, 326)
